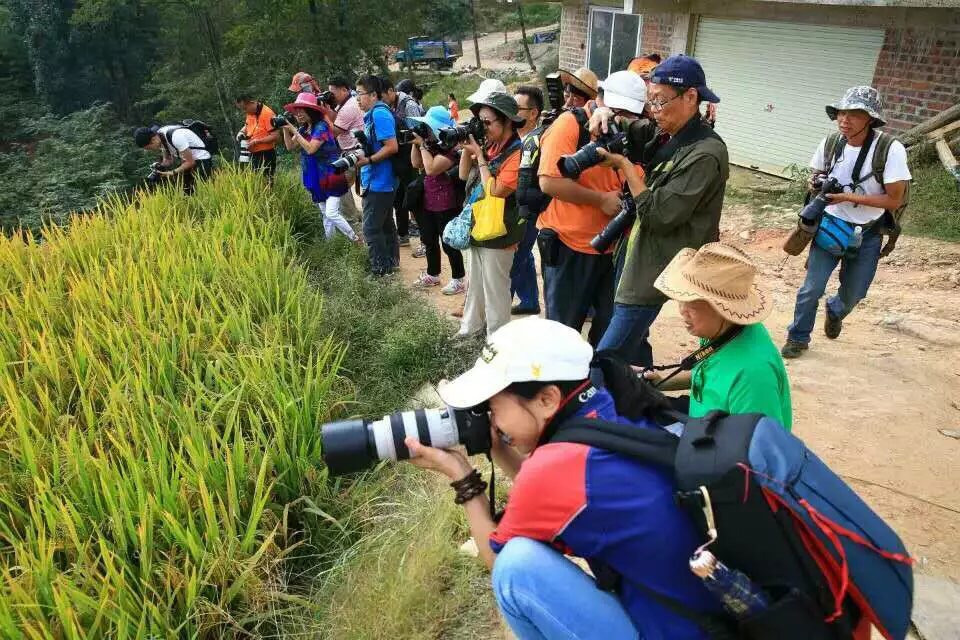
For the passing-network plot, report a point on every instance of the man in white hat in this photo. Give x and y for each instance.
(577, 277)
(871, 166)
(614, 511)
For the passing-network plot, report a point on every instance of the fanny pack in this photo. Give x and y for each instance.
(835, 236)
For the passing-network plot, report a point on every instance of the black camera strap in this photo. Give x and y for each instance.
(701, 354)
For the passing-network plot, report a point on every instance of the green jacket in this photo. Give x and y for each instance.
(511, 213)
(681, 208)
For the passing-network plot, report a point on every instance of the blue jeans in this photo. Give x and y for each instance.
(629, 332)
(523, 273)
(856, 275)
(379, 231)
(544, 596)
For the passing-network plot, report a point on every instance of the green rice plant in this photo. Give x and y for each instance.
(165, 364)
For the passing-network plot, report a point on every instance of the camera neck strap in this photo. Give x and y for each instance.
(701, 354)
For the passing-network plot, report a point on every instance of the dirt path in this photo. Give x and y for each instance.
(492, 47)
(871, 402)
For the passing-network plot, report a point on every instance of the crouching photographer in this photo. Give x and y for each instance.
(186, 152)
(585, 196)
(677, 202)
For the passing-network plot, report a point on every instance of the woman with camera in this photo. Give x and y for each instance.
(440, 202)
(720, 303)
(318, 150)
(491, 171)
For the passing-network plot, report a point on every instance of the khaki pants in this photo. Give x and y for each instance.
(488, 296)
(348, 204)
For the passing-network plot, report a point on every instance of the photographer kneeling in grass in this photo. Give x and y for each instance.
(615, 511)
(318, 151)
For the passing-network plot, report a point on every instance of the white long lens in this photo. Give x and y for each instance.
(432, 427)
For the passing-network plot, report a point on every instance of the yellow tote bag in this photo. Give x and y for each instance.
(488, 216)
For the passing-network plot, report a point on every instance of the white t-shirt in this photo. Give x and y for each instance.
(895, 170)
(182, 139)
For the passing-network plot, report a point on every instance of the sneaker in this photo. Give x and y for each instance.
(404, 241)
(414, 231)
(454, 287)
(420, 252)
(793, 349)
(518, 310)
(426, 280)
(832, 325)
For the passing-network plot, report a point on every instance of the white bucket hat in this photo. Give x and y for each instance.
(521, 351)
(488, 86)
(624, 90)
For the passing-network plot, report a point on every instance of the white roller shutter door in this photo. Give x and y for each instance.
(774, 79)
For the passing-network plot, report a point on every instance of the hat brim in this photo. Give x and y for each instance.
(833, 109)
(475, 386)
(616, 101)
(434, 125)
(475, 109)
(753, 309)
(568, 78)
(302, 105)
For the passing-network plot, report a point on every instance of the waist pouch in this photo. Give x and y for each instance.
(834, 235)
(549, 244)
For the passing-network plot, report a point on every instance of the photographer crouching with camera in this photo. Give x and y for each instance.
(529, 384)
(677, 203)
(190, 142)
(861, 176)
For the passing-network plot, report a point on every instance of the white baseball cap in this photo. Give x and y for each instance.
(521, 351)
(488, 86)
(624, 90)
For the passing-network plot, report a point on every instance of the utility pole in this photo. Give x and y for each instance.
(476, 42)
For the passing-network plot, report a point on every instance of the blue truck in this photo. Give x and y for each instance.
(422, 51)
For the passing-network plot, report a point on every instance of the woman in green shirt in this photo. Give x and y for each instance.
(720, 303)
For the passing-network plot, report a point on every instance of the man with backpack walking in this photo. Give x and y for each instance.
(189, 145)
(871, 174)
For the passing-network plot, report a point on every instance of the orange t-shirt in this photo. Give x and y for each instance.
(575, 224)
(258, 127)
(509, 173)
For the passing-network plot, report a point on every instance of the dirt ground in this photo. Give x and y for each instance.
(872, 402)
(494, 51)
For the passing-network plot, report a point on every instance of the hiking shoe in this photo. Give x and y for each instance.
(832, 325)
(454, 287)
(420, 252)
(426, 280)
(793, 349)
(404, 241)
(518, 310)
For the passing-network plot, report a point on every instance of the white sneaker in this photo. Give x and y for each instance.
(426, 280)
(454, 287)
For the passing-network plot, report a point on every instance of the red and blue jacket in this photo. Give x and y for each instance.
(615, 511)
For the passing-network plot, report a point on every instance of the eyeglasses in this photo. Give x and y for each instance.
(658, 105)
(363, 93)
(487, 123)
(524, 108)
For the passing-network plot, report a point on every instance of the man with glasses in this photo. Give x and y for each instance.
(576, 277)
(678, 200)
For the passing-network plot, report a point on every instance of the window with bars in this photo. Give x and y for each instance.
(614, 40)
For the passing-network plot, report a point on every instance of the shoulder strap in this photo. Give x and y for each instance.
(582, 119)
(169, 136)
(655, 446)
(862, 158)
(832, 150)
(880, 153)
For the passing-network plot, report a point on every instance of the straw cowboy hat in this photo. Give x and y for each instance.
(722, 275)
(582, 80)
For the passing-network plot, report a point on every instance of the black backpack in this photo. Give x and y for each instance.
(402, 166)
(823, 559)
(202, 130)
(531, 200)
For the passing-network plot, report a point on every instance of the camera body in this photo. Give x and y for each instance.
(554, 98)
(452, 136)
(614, 141)
(282, 120)
(347, 161)
(814, 209)
(155, 177)
(355, 445)
(328, 99)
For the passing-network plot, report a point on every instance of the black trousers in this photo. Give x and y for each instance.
(401, 212)
(431, 234)
(265, 161)
(201, 171)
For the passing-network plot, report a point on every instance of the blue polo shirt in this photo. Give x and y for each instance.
(378, 177)
(616, 511)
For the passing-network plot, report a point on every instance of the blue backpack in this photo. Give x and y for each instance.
(829, 565)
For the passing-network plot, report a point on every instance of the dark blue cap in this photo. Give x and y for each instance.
(683, 71)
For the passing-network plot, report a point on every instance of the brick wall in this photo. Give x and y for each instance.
(657, 30)
(918, 74)
(573, 36)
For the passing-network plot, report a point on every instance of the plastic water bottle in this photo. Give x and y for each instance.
(857, 238)
(738, 593)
